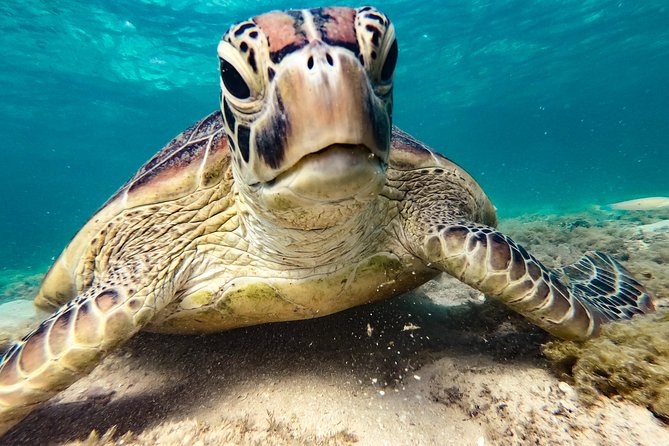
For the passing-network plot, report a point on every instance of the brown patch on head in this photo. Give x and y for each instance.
(339, 28)
(283, 29)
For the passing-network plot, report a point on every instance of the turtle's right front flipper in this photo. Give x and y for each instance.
(65, 347)
(571, 302)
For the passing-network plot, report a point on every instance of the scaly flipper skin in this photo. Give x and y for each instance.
(449, 224)
(570, 303)
(606, 284)
(65, 347)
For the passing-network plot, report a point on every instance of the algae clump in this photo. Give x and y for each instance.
(629, 359)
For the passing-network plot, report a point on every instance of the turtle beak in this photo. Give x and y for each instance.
(322, 100)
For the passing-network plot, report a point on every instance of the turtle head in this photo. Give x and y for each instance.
(307, 100)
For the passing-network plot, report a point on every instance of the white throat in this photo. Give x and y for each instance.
(317, 235)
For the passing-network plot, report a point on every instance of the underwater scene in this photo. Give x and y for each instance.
(558, 109)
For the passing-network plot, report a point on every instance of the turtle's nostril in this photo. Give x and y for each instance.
(310, 62)
(329, 59)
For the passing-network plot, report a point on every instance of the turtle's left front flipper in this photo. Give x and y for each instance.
(66, 347)
(570, 302)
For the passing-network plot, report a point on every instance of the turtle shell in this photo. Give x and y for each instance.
(459, 190)
(197, 158)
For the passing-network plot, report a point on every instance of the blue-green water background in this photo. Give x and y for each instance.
(551, 104)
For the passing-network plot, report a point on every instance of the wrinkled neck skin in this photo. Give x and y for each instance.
(310, 236)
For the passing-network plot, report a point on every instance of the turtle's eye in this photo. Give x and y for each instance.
(390, 63)
(233, 81)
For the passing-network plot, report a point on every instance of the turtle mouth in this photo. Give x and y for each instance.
(334, 173)
(335, 160)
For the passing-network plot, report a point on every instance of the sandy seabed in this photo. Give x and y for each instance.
(438, 366)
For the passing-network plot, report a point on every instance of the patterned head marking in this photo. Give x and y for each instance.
(296, 82)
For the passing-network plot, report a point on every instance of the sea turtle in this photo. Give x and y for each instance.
(296, 200)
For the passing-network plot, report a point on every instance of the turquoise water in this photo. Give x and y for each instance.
(551, 105)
